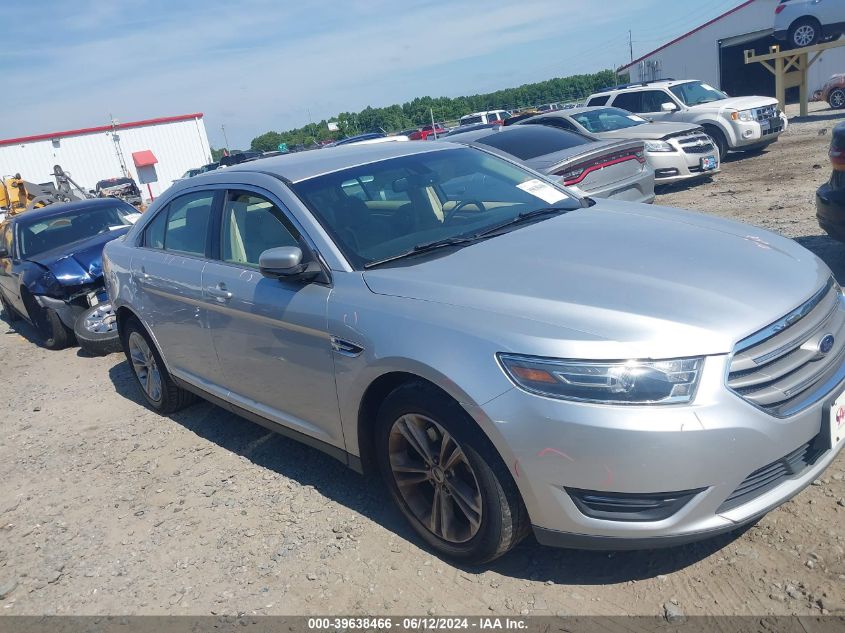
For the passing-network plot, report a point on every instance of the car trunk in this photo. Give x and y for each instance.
(599, 166)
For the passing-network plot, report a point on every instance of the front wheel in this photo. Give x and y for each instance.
(719, 141)
(55, 335)
(446, 478)
(836, 99)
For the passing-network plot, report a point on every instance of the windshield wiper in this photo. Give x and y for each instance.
(458, 240)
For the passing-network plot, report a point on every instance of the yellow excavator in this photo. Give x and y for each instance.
(18, 195)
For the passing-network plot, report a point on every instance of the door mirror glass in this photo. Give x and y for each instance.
(668, 107)
(282, 262)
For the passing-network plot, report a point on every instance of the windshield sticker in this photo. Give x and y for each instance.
(542, 190)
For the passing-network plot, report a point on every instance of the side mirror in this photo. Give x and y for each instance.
(285, 262)
(668, 107)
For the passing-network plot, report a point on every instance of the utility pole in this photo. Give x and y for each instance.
(631, 45)
(433, 127)
(225, 140)
(115, 137)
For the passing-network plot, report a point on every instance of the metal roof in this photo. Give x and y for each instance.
(102, 128)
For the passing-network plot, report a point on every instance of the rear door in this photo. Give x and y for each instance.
(270, 334)
(9, 277)
(168, 272)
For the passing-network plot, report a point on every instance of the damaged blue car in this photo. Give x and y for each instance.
(51, 271)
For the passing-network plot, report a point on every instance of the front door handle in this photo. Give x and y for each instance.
(219, 292)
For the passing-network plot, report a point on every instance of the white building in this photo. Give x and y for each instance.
(178, 143)
(713, 52)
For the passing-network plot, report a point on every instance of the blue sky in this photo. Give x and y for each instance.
(259, 65)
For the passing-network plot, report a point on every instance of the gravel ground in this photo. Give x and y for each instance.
(107, 508)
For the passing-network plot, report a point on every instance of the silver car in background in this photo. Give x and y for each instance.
(509, 356)
(590, 167)
(677, 152)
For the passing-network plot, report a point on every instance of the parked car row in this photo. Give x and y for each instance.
(490, 321)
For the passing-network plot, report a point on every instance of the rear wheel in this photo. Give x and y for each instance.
(157, 387)
(804, 32)
(447, 480)
(836, 99)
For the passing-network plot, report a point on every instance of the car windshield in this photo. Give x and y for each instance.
(384, 209)
(607, 120)
(694, 93)
(56, 231)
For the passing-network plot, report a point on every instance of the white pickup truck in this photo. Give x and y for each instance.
(734, 123)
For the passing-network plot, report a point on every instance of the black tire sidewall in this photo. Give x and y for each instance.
(95, 343)
(720, 141)
(804, 22)
(133, 325)
(486, 544)
(55, 335)
(830, 99)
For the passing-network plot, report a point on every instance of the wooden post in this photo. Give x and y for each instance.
(780, 84)
(803, 66)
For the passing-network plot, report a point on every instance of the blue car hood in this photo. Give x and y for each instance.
(80, 262)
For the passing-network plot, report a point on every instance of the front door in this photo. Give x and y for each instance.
(270, 335)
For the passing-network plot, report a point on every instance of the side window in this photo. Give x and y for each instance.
(187, 223)
(251, 225)
(598, 101)
(154, 233)
(631, 101)
(653, 99)
(6, 238)
(557, 122)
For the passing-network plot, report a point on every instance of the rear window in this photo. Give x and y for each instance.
(469, 120)
(531, 141)
(598, 101)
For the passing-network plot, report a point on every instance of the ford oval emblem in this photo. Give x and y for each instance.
(826, 344)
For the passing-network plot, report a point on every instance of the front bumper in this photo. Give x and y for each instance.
(751, 135)
(672, 167)
(710, 446)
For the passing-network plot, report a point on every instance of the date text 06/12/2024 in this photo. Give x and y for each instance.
(417, 623)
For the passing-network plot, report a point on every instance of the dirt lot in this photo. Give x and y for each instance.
(109, 508)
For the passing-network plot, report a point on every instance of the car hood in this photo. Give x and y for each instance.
(650, 131)
(735, 103)
(80, 262)
(617, 281)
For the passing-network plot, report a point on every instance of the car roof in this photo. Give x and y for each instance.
(60, 208)
(299, 166)
(634, 87)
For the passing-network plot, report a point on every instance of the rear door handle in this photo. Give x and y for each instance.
(219, 292)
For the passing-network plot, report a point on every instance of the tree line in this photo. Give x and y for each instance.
(416, 113)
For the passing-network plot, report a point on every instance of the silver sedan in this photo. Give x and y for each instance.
(677, 152)
(510, 357)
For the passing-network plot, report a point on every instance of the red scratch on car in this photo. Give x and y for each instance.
(554, 451)
(609, 479)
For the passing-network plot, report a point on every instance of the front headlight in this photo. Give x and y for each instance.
(658, 146)
(606, 382)
(743, 115)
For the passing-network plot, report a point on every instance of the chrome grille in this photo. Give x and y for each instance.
(775, 368)
(763, 114)
(696, 144)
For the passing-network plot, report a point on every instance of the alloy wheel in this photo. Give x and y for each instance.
(804, 35)
(145, 366)
(102, 319)
(435, 478)
(837, 99)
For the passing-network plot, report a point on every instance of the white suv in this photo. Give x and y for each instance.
(807, 22)
(734, 123)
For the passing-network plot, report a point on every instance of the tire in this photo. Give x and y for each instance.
(96, 330)
(168, 397)
(805, 32)
(9, 313)
(478, 476)
(54, 334)
(836, 99)
(719, 141)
